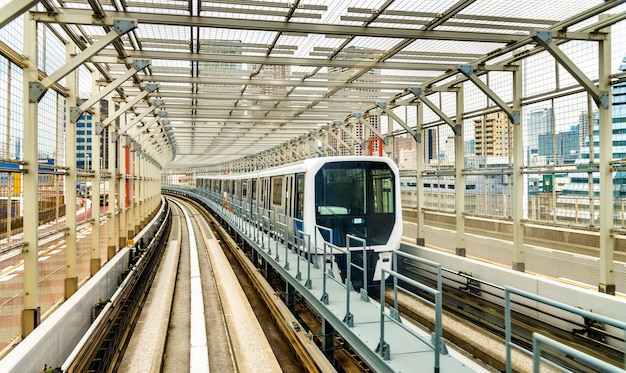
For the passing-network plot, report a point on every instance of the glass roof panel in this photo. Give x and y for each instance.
(285, 66)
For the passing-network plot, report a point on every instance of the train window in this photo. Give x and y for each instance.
(355, 198)
(382, 188)
(299, 195)
(277, 191)
(340, 189)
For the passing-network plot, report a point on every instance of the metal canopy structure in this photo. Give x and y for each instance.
(238, 78)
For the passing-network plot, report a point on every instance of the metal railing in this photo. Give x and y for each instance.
(537, 351)
(384, 348)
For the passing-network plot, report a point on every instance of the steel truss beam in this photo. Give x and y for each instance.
(347, 127)
(332, 130)
(155, 104)
(137, 66)
(108, 57)
(150, 87)
(359, 117)
(322, 137)
(383, 105)
(13, 9)
(468, 71)
(120, 27)
(545, 39)
(85, 17)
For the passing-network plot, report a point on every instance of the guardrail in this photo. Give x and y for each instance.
(537, 351)
(384, 348)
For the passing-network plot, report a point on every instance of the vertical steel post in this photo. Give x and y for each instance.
(419, 192)
(71, 279)
(607, 242)
(459, 179)
(96, 181)
(111, 147)
(31, 311)
(518, 175)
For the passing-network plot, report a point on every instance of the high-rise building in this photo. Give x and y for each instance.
(573, 204)
(493, 135)
(561, 147)
(85, 128)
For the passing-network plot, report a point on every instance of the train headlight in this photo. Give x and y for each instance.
(385, 256)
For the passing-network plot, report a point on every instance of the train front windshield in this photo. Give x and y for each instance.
(355, 198)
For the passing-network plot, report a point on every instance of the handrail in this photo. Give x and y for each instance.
(586, 314)
(437, 339)
(363, 292)
(539, 340)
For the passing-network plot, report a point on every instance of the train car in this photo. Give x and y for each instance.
(355, 195)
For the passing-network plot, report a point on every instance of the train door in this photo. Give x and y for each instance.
(298, 201)
(288, 204)
(265, 192)
(254, 194)
(245, 200)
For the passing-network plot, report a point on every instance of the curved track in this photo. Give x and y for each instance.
(210, 325)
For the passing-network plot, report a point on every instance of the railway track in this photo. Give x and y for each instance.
(300, 319)
(290, 342)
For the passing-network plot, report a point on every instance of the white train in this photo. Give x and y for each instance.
(356, 195)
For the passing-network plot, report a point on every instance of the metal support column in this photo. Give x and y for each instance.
(459, 180)
(31, 312)
(111, 145)
(519, 256)
(328, 341)
(71, 262)
(130, 182)
(605, 108)
(390, 146)
(96, 182)
(419, 179)
(121, 180)
(290, 296)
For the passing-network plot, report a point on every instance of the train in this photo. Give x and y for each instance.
(348, 195)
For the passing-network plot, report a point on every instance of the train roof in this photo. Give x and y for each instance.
(297, 167)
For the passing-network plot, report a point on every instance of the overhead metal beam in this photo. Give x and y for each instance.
(120, 27)
(275, 82)
(278, 121)
(85, 17)
(109, 57)
(468, 71)
(545, 39)
(164, 92)
(13, 9)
